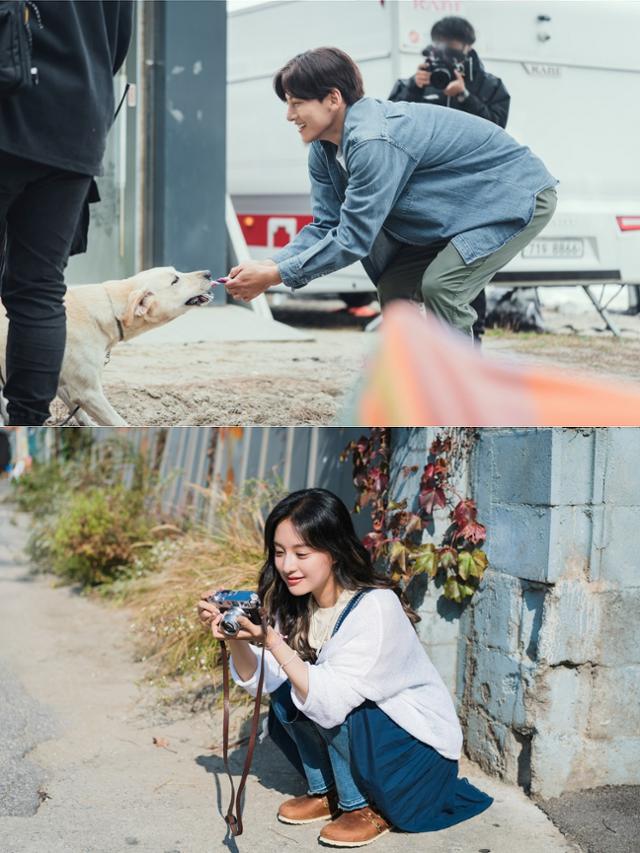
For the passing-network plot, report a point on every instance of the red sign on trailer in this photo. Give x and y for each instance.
(271, 230)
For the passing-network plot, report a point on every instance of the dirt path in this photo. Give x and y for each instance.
(105, 788)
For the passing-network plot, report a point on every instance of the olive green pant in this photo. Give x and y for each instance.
(437, 275)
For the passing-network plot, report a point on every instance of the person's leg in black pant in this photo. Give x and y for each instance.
(479, 304)
(403, 277)
(41, 221)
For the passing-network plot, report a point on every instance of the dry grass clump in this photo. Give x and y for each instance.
(169, 635)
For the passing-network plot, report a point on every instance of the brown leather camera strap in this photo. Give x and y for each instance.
(234, 812)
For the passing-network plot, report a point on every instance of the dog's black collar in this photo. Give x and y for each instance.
(116, 318)
(120, 329)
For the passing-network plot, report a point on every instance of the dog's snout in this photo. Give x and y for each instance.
(207, 274)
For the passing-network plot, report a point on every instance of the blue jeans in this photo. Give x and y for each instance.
(324, 753)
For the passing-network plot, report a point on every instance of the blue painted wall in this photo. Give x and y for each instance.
(545, 661)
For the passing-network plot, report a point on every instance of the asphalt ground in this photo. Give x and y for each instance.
(600, 820)
(24, 723)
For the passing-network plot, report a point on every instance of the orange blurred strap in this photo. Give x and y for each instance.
(426, 374)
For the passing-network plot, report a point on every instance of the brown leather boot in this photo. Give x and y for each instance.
(355, 829)
(309, 808)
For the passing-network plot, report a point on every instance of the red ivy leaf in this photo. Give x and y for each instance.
(428, 498)
(473, 532)
(439, 469)
(362, 444)
(464, 513)
(373, 541)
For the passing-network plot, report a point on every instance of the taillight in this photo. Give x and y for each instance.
(628, 223)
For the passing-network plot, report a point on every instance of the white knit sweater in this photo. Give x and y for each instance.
(376, 655)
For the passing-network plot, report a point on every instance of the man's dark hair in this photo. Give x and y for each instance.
(313, 74)
(453, 28)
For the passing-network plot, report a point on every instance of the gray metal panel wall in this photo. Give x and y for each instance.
(197, 459)
(188, 135)
(296, 457)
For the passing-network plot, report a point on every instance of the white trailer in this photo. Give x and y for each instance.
(572, 69)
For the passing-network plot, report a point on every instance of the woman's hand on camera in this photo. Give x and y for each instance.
(248, 631)
(210, 616)
(207, 611)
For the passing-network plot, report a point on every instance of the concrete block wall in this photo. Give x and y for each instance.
(544, 663)
(549, 649)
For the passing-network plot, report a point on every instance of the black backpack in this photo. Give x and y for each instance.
(16, 68)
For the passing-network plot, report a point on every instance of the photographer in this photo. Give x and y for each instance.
(433, 202)
(52, 140)
(472, 90)
(354, 697)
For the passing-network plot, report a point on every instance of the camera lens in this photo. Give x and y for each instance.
(229, 623)
(441, 77)
(229, 627)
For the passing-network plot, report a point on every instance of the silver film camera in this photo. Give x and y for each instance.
(234, 603)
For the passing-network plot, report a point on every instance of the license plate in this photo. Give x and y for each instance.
(550, 248)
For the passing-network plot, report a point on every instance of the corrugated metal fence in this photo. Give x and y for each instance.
(195, 463)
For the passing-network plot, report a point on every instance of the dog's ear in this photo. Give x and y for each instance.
(137, 305)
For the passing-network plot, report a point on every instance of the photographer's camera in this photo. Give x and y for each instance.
(442, 63)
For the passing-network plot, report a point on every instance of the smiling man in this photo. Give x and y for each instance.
(433, 202)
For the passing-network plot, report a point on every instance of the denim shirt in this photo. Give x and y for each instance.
(416, 174)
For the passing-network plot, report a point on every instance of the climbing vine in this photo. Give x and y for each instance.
(398, 526)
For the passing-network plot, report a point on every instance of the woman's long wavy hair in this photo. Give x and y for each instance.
(324, 524)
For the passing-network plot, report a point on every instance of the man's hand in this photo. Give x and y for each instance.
(456, 87)
(423, 77)
(251, 278)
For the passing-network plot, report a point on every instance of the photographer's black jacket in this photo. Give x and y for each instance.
(64, 120)
(488, 97)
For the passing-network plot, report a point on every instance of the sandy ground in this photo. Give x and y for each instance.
(304, 383)
(88, 778)
(288, 383)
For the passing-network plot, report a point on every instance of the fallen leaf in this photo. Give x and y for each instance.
(163, 743)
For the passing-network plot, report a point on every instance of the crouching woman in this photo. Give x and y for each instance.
(356, 704)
